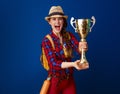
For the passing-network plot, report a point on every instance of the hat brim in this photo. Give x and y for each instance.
(48, 17)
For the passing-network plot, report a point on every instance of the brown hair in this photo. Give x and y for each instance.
(66, 39)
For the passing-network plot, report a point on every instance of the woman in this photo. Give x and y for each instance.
(59, 59)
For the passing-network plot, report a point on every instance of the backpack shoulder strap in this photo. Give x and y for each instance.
(51, 41)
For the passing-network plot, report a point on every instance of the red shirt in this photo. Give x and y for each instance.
(56, 57)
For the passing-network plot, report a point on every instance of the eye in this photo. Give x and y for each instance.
(54, 19)
(60, 18)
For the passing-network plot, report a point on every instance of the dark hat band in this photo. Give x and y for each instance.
(55, 13)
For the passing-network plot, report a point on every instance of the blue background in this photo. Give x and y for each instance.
(22, 27)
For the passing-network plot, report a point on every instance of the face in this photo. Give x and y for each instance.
(56, 24)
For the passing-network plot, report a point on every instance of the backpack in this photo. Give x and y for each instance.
(43, 58)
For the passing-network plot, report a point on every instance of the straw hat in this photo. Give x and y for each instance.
(56, 11)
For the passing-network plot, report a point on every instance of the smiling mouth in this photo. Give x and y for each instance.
(57, 27)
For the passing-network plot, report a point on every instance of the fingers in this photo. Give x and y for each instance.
(83, 66)
(80, 66)
(83, 45)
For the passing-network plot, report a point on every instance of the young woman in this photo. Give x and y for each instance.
(59, 59)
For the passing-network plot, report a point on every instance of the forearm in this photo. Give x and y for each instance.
(67, 64)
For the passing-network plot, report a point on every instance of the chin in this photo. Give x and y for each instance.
(58, 31)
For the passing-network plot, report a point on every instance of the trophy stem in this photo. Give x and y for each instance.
(83, 57)
(83, 40)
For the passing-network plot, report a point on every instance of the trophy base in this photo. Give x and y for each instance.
(84, 64)
(83, 61)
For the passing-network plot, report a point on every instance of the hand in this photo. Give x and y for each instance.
(84, 66)
(83, 45)
(79, 66)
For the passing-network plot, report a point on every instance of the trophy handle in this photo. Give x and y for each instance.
(93, 20)
(72, 21)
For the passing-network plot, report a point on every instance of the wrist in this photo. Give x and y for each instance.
(73, 64)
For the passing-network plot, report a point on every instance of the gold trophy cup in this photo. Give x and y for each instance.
(83, 27)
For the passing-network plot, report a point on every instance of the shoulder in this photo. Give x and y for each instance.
(45, 38)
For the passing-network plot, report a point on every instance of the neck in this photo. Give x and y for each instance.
(57, 34)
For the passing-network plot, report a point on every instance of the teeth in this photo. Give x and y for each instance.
(57, 26)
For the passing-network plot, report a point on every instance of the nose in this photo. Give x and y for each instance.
(57, 20)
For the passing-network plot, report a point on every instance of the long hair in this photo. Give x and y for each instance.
(66, 39)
